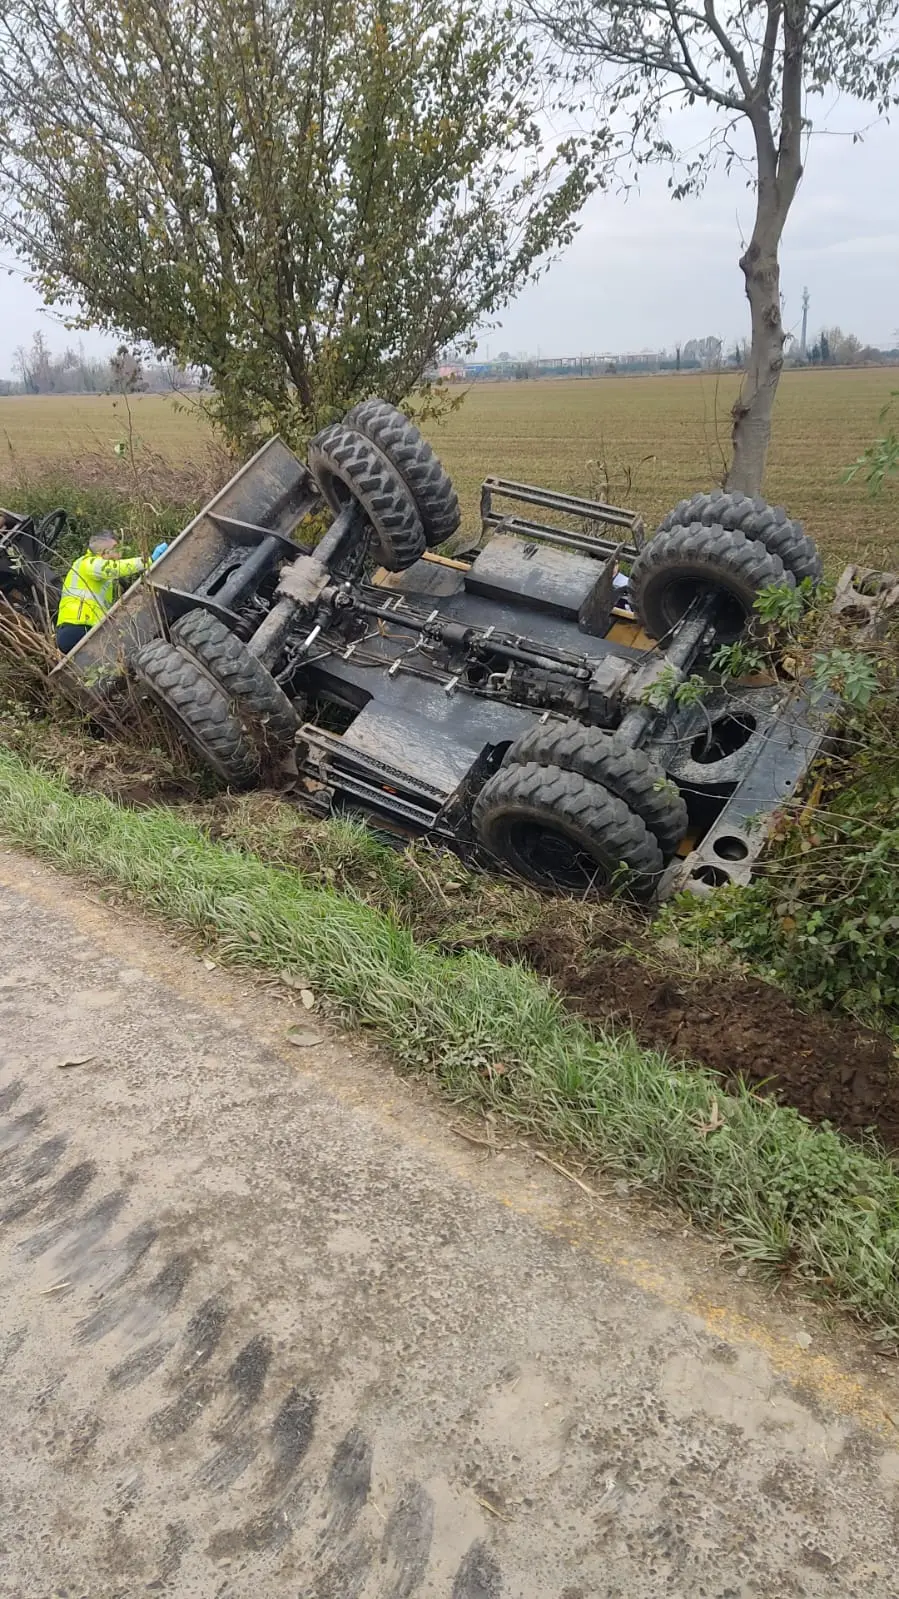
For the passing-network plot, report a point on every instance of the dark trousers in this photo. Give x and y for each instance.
(70, 634)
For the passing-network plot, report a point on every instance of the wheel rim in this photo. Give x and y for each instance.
(679, 594)
(51, 526)
(548, 853)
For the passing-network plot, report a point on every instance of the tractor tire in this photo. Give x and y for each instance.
(681, 563)
(769, 524)
(199, 708)
(244, 678)
(558, 830)
(418, 466)
(606, 759)
(51, 527)
(347, 466)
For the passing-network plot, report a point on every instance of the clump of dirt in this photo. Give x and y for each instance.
(828, 1068)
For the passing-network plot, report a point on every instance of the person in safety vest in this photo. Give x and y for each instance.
(90, 586)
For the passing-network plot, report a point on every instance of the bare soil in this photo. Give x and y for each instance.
(828, 1068)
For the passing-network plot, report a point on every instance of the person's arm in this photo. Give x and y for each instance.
(127, 566)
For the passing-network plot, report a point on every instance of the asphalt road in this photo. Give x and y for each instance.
(271, 1323)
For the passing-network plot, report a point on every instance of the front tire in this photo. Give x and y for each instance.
(558, 830)
(347, 466)
(199, 709)
(244, 678)
(682, 564)
(418, 466)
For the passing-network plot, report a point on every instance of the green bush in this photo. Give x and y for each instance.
(823, 919)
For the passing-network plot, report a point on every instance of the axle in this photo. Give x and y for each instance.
(304, 580)
(687, 644)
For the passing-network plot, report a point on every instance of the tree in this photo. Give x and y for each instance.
(704, 352)
(126, 372)
(35, 366)
(21, 364)
(843, 348)
(306, 198)
(755, 65)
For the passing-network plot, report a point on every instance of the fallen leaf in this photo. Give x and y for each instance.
(303, 1037)
(308, 998)
(75, 1060)
(715, 1120)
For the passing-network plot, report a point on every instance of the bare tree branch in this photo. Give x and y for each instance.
(730, 50)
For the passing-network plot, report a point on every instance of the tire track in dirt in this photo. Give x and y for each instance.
(228, 1420)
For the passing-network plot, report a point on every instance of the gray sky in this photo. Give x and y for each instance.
(649, 271)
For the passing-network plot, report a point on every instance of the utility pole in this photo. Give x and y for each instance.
(802, 350)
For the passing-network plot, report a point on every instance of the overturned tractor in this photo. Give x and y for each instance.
(516, 699)
(28, 580)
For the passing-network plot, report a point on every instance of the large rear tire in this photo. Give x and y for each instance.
(244, 678)
(418, 466)
(51, 528)
(683, 564)
(558, 830)
(200, 710)
(756, 519)
(347, 466)
(605, 758)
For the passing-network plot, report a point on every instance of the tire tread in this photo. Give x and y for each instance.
(606, 759)
(399, 439)
(619, 837)
(181, 686)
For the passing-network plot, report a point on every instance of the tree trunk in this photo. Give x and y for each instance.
(751, 433)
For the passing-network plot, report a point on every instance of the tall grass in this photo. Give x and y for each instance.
(784, 1194)
(137, 492)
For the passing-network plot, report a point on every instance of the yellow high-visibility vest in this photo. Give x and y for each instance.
(89, 588)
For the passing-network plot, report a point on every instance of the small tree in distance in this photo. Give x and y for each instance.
(756, 64)
(306, 198)
(126, 374)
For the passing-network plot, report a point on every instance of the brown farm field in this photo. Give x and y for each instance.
(647, 442)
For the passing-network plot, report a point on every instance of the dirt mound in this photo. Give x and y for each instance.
(829, 1069)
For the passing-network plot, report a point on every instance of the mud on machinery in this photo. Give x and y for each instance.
(506, 703)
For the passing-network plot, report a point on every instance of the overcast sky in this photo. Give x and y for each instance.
(649, 271)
